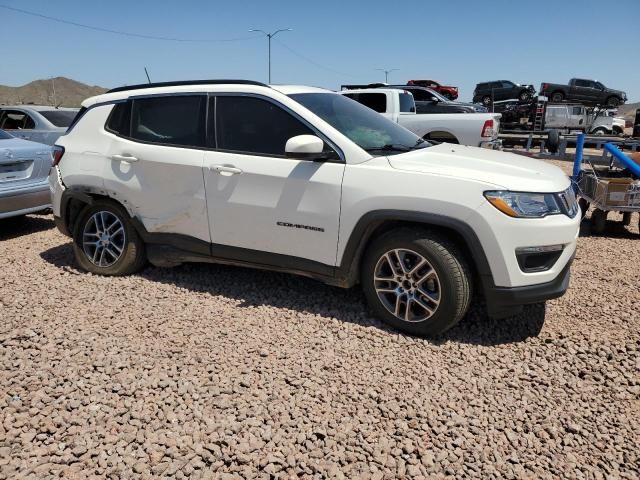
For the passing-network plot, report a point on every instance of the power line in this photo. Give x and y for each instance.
(312, 62)
(127, 34)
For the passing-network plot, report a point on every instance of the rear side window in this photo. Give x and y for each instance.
(59, 118)
(172, 120)
(407, 104)
(375, 101)
(253, 125)
(119, 121)
(16, 120)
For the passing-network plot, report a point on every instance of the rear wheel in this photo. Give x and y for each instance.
(598, 221)
(416, 281)
(557, 97)
(105, 242)
(600, 131)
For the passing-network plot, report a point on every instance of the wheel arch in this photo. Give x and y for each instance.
(73, 201)
(441, 135)
(376, 223)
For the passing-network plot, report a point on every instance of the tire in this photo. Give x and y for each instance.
(106, 215)
(584, 206)
(553, 141)
(557, 97)
(613, 102)
(598, 221)
(524, 96)
(626, 219)
(600, 131)
(486, 100)
(442, 284)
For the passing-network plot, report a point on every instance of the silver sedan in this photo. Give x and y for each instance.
(24, 169)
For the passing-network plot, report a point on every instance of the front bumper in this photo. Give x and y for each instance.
(505, 302)
(24, 201)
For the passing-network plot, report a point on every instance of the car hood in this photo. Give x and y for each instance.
(505, 171)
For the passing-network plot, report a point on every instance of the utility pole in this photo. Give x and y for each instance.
(269, 37)
(386, 73)
(147, 73)
(53, 85)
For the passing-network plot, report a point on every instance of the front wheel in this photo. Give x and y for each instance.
(105, 241)
(416, 281)
(613, 101)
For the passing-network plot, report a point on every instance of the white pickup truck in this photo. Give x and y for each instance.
(475, 129)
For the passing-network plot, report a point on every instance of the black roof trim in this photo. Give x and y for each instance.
(186, 83)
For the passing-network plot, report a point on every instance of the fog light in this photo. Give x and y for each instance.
(538, 259)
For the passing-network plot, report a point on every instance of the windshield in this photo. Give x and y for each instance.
(59, 118)
(4, 135)
(368, 129)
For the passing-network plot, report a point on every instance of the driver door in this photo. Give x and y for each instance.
(259, 200)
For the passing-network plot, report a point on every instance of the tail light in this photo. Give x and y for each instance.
(487, 129)
(58, 152)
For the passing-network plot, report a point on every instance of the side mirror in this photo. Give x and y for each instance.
(304, 147)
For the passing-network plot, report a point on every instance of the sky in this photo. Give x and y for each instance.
(457, 42)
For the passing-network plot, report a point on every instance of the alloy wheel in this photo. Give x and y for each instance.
(407, 285)
(103, 239)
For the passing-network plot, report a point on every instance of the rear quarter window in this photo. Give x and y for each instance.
(119, 121)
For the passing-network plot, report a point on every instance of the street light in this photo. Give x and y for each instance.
(386, 73)
(269, 37)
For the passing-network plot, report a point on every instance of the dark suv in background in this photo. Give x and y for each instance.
(498, 90)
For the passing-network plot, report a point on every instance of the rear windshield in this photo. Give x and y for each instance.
(4, 135)
(60, 118)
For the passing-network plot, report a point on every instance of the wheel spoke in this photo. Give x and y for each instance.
(400, 258)
(395, 269)
(423, 305)
(429, 295)
(407, 309)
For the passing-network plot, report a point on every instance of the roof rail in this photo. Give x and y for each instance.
(185, 83)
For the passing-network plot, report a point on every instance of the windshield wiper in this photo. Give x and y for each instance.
(390, 147)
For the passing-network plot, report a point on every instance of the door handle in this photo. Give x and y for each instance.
(226, 170)
(124, 158)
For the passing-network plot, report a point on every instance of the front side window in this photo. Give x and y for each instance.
(582, 83)
(171, 120)
(253, 125)
(366, 128)
(507, 85)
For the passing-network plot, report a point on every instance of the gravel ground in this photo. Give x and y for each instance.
(207, 371)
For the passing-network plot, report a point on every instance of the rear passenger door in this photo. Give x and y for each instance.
(260, 201)
(154, 162)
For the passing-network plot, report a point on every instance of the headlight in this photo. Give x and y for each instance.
(533, 205)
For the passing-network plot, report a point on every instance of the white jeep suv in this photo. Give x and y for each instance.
(307, 181)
